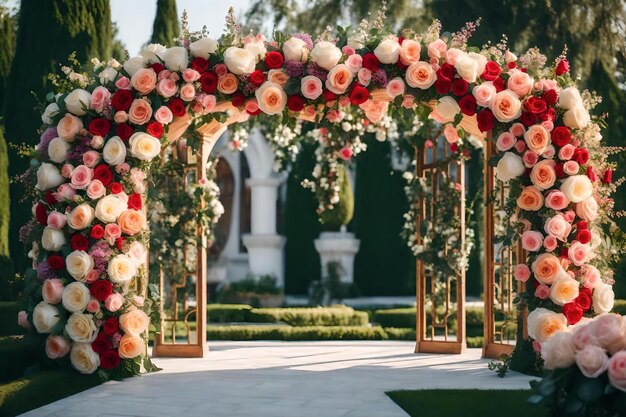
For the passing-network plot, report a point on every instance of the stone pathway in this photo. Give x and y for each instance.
(284, 379)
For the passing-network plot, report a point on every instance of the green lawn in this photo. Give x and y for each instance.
(466, 403)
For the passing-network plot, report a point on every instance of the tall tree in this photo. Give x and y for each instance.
(166, 27)
(48, 32)
(7, 48)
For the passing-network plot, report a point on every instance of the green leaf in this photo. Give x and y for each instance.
(457, 119)
(292, 87)
(546, 387)
(590, 390)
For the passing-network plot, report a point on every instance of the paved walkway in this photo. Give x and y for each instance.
(284, 379)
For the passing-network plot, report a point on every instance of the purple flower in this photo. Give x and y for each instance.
(100, 252)
(81, 146)
(294, 69)
(304, 37)
(317, 71)
(380, 77)
(26, 232)
(46, 137)
(44, 271)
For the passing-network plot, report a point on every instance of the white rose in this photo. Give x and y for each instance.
(77, 101)
(356, 41)
(45, 317)
(57, 150)
(203, 47)
(107, 75)
(570, 98)
(325, 54)
(256, 48)
(447, 108)
(114, 152)
(79, 263)
(144, 146)
(51, 110)
(175, 58)
(48, 176)
(295, 49)
(388, 51)
(239, 61)
(564, 290)
(110, 208)
(470, 66)
(152, 53)
(577, 188)
(510, 166)
(558, 351)
(138, 253)
(81, 328)
(603, 298)
(121, 269)
(84, 359)
(134, 64)
(52, 239)
(576, 118)
(75, 297)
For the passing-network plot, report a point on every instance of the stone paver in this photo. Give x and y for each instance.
(284, 379)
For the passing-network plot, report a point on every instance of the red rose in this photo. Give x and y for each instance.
(581, 155)
(371, 62)
(119, 243)
(591, 174)
(101, 344)
(499, 84)
(103, 174)
(56, 262)
(491, 72)
(562, 67)
(560, 136)
(295, 103)
(116, 188)
(359, 95)
(97, 232)
(99, 126)
(41, 214)
(101, 289)
(528, 119)
(485, 120)
(124, 131)
(558, 169)
(583, 236)
(208, 82)
(134, 201)
(274, 59)
(111, 326)
(582, 225)
(79, 242)
(177, 106)
(50, 198)
(110, 359)
(328, 95)
(442, 86)
(468, 105)
(459, 87)
(564, 253)
(583, 300)
(454, 147)
(549, 96)
(121, 100)
(257, 77)
(608, 176)
(446, 71)
(157, 67)
(512, 65)
(200, 64)
(155, 129)
(573, 312)
(535, 105)
(237, 99)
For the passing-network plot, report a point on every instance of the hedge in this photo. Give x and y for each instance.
(289, 333)
(16, 356)
(405, 317)
(620, 307)
(227, 313)
(8, 319)
(304, 316)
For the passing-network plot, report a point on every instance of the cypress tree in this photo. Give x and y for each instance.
(7, 49)
(48, 32)
(166, 26)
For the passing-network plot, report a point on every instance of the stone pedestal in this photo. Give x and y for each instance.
(338, 247)
(266, 255)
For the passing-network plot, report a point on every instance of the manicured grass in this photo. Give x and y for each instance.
(21, 395)
(466, 403)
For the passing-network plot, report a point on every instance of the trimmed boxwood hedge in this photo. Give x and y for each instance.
(16, 356)
(301, 316)
(8, 319)
(289, 333)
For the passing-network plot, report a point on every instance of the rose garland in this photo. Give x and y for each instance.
(100, 136)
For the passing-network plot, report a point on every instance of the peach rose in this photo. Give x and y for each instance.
(531, 240)
(556, 200)
(484, 93)
(120, 117)
(395, 87)
(134, 322)
(530, 199)
(543, 323)
(52, 291)
(96, 189)
(543, 175)
(140, 112)
(420, 75)
(57, 347)
(271, 98)
(546, 268)
(409, 52)
(277, 76)
(591, 277)
(505, 141)
(537, 138)
(69, 126)
(437, 49)
(519, 82)
(311, 87)
(132, 221)
(505, 106)
(564, 290)
(567, 152)
(144, 80)
(227, 84)
(339, 79)
(451, 134)
(579, 253)
(587, 209)
(81, 217)
(167, 87)
(131, 346)
(558, 351)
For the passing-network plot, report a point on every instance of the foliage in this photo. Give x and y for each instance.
(341, 213)
(331, 289)
(8, 319)
(264, 284)
(289, 333)
(7, 48)
(5, 260)
(165, 28)
(227, 313)
(18, 357)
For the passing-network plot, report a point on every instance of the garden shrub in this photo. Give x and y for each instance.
(8, 319)
(289, 333)
(17, 355)
(228, 313)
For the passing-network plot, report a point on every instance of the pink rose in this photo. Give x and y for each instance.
(517, 130)
(609, 332)
(571, 167)
(93, 305)
(558, 227)
(395, 87)
(123, 83)
(542, 292)
(407, 101)
(81, 177)
(57, 347)
(550, 243)
(579, 253)
(519, 82)
(451, 134)
(163, 115)
(530, 158)
(311, 87)
(96, 189)
(567, 152)
(505, 141)
(583, 336)
(144, 80)
(520, 146)
(167, 88)
(335, 116)
(65, 192)
(140, 112)
(99, 98)
(251, 106)
(139, 300)
(532, 240)
(122, 168)
(112, 231)
(592, 361)
(91, 158)
(345, 153)
(549, 152)
(69, 126)
(187, 92)
(522, 272)
(209, 102)
(348, 51)
(120, 117)
(587, 209)
(114, 302)
(220, 69)
(548, 125)
(138, 177)
(164, 75)
(437, 49)
(365, 76)
(569, 215)
(590, 276)
(22, 320)
(484, 93)
(556, 200)
(190, 75)
(558, 351)
(92, 276)
(66, 170)
(56, 220)
(451, 55)
(355, 62)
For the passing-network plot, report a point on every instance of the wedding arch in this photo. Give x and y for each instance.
(547, 178)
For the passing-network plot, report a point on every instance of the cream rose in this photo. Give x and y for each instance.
(295, 49)
(587, 209)
(239, 61)
(69, 126)
(564, 290)
(570, 98)
(470, 66)
(78, 101)
(388, 51)
(57, 150)
(577, 188)
(134, 322)
(51, 110)
(109, 208)
(271, 98)
(543, 323)
(81, 328)
(256, 46)
(175, 58)
(509, 166)
(603, 298)
(48, 176)
(121, 269)
(45, 317)
(576, 118)
(203, 47)
(84, 359)
(506, 107)
(114, 152)
(144, 146)
(326, 54)
(81, 217)
(75, 297)
(447, 108)
(134, 64)
(152, 53)
(79, 263)
(558, 351)
(52, 239)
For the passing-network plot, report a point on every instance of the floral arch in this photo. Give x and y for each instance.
(87, 297)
